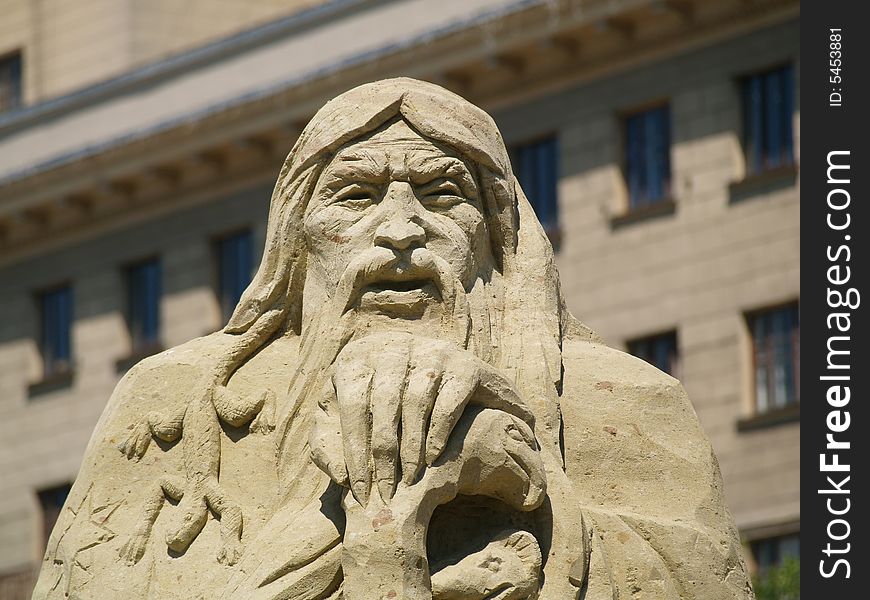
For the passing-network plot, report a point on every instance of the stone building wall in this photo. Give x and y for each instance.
(72, 44)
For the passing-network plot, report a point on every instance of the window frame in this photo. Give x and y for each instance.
(554, 230)
(45, 493)
(771, 414)
(12, 57)
(661, 334)
(775, 545)
(665, 203)
(226, 311)
(789, 162)
(53, 368)
(142, 347)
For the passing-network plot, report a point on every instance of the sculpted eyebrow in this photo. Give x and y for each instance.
(427, 170)
(354, 167)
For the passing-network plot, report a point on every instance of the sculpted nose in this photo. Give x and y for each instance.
(399, 231)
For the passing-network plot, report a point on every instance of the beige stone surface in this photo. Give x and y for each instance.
(69, 45)
(400, 407)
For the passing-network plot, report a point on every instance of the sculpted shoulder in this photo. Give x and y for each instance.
(164, 382)
(605, 384)
(173, 371)
(161, 379)
(643, 467)
(597, 364)
(632, 436)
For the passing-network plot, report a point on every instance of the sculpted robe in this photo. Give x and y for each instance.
(646, 482)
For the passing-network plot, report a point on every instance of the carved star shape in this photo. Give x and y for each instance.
(89, 528)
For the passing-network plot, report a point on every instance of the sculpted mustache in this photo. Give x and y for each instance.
(380, 264)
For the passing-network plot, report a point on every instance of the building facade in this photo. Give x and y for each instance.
(657, 139)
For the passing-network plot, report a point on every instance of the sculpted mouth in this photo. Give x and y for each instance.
(399, 286)
(406, 286)
(405, 298)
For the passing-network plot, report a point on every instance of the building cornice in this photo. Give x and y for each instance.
(182, 63)
(497, 58)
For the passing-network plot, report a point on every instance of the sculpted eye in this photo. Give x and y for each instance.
(356, 195)
(442, 193)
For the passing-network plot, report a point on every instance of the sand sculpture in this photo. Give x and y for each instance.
(401, 406)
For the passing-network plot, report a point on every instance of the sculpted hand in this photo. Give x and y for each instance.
(391, 405)
(491, 453)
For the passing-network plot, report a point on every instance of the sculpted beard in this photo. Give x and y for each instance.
(384, 291)
(361, 305)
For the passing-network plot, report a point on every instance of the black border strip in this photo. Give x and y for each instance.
(827, 128)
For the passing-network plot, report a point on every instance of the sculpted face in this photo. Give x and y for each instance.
(400, 217)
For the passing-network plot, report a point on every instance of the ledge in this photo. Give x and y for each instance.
(771, 418)
(53, 382)
(124, 364)
(768, 530)
(762, 183)
(660, 208)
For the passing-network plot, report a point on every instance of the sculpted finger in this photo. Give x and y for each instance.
(459, 382)
(352, 382)
(423, 382)
(498, 393)
(325, 440)
(386, 400)
(329, 457)
(521, 447)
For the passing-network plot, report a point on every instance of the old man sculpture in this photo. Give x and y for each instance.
(400, 407)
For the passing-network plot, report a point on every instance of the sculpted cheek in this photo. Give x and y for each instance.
(469, 225)
(327, 228)
(453, 239)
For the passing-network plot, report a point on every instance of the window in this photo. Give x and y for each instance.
(235, 262)
(659, 351)
(768, 102)
(776, 357)
(537, 169)
(771, 552)
(143, 304)
(10, 82)
(648, 156)
(51, 500)
(56, 307)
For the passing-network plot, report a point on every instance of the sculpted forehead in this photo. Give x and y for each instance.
(395, 152)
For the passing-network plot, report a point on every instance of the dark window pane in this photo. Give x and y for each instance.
(634, 152)
(10, 82)
(752, 112)
(773, 120)
(143, 294)
(771, 552)
(658, 350)
(776, 348)
(56, 308)
(537, 169)
(647, 156)
(51, 501)
(235, 262)
(768, 103)
(786, 114)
